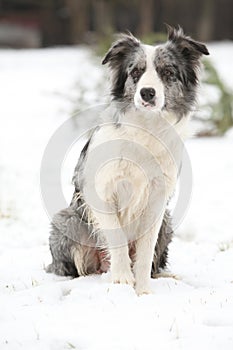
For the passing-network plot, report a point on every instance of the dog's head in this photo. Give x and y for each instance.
(162, 77)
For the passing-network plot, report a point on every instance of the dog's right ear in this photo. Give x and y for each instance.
(121, 48)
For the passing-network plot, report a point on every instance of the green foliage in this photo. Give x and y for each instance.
(104, 43)
(222, 110)
(154, 38)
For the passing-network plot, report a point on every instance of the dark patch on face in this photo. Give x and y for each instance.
(177, 63)
(136, 73)
(119, 58)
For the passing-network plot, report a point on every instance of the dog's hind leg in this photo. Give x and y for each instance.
(62, 268)
(161, 248)
(61, 247)
(68, 238)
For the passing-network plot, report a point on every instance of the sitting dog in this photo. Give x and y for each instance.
(127, 171)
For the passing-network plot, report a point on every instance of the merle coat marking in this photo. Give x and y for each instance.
(153, 92)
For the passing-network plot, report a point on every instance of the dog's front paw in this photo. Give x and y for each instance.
(123, 278)
(142, 289)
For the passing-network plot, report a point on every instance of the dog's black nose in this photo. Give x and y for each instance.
(147, 94)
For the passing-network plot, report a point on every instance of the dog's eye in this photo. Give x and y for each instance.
(168, 73)
(135, 74)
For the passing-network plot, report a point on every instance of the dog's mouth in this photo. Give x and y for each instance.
(149, 105)
(153, 104)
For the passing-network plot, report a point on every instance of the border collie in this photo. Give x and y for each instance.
(128, 169)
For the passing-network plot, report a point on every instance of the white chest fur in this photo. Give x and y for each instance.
(132, 163)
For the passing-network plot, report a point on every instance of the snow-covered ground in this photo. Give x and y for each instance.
(42, 311)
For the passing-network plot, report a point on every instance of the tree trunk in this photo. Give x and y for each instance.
(146, 17)
(206, 23)
(103, 17)
(79, 16)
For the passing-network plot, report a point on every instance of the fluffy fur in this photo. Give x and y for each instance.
(128, 169)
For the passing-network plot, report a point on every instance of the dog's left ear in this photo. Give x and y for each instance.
(121, 48)
(189, 47)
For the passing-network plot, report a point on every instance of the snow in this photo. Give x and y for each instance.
(39, 90)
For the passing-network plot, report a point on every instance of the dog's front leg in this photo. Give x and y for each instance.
(121, 266)
(117, 245)
(119, 256)
(145, 246)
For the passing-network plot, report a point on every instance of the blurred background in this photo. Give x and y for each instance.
(40, 23)
(34, 24)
